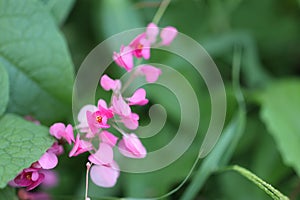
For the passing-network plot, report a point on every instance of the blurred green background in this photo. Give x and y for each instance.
(265, 138)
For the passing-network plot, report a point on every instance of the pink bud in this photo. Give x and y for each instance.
(130, 146)
(151, 73)
(138, 98)
(167, 35)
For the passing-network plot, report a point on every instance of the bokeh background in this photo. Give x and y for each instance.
(262, 132)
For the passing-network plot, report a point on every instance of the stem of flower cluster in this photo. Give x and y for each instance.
(161, 10)
(118, 129)
(88, 166)
(130, 80)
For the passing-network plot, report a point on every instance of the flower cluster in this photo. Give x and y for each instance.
(96, 121)
(34, 175)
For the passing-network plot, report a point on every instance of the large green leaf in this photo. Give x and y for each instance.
(37, 59)
(59, 9)
(4, 91)
(280, 111)
(22, 143)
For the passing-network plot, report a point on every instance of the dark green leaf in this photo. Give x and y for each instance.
(4, 91)
(269, 189)
(22, 143)
(36, 57)
(8, 193)
(280, 111)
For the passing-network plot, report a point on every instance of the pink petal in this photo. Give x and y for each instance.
(34, 176)
(109, 84)
(138, 98)
(105, 176)
(130, 146)
(48, 160)
(152, 32)
(56, 148)
(82, 116)
(108, 138)
(120, 106)
(102, 106)
(36, 183)
(131, 121)
(146, 48)
(167, 35)
(104, 155)
(151, 73)
(69, 135)
(125, 58)
(80, 147)
(57, 129)
(136, 41)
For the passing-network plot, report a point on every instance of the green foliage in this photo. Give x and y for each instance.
(37, 74)
(59, 9)
(35, 55)
(4, 92)
(8, 193)
(21, 143)
(280, 112)
(271, 191)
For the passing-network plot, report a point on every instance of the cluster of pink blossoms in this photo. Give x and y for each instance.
(95, 121)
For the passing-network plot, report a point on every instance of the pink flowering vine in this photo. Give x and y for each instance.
(94, 121)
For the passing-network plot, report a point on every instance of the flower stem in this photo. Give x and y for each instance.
(88, 166)
(161, 10)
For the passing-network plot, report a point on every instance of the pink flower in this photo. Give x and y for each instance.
(98, 119)
(131, 121)
(80, 147)
(56, 148)
(124, 58)
(83, 123)
(105, 171)
(138, 98)
(151, 73)
(103, 156)
(108, 138)
(109, 84)
(151, 32)
(141, 46)
(29, 178)
(167, 35)
(119, 106)
(102, 107)
(49, 159)
(105, 175)
(130, 146)
(59, 131)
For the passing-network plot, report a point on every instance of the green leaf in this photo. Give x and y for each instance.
(59, 9)
(223, 151)
(22, 143)
(8, 193)
(36, 57)
(280, 112)
(4, 91)
(269, 189)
